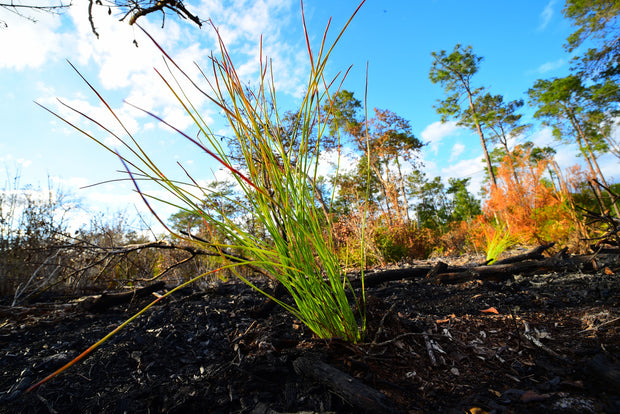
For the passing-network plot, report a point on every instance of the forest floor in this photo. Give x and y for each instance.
(552, 346)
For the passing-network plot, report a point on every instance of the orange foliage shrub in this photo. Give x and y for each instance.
(526, 203)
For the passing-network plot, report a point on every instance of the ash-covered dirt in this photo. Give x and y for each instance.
(553, 346)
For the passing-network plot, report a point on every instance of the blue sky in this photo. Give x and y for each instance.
(520, 42)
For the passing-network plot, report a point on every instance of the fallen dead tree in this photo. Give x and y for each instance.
(528, 263)
(100, 303)
(501, 271)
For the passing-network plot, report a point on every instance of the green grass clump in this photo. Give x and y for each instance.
(275, 171)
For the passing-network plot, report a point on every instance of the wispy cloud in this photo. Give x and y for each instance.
(121, 65)
(244, 24)
(25, 44)
(434, 133)
(550, 66)
(546, 15)
(464, 168)
(566, 155)
(71, 182)
(609, 167)
(543, 137)
(470, 168)
(331, 159)
(457, 150)
(18, 162)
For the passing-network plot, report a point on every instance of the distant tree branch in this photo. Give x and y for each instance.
(134, 9)
(173, 5)
(194, 251)
(51, 8)
(18, 7)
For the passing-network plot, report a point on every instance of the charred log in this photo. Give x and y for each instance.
(100, 303)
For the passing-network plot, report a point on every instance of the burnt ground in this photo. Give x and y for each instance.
(552, 346)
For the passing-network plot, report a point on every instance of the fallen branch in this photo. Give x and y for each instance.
(104, 258)
(99, 303)
(442, 269)
(500, 272)
(495, 273)
(377, 278)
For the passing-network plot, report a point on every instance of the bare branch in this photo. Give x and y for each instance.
(19, 8)
(176, 6)
(135, 9)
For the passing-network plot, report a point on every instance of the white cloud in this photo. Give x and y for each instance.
(107, 200)
(457, 150)
(430, 168)
(464, 168)
(546, 15)
(434, 133)
(240, 21)
(543, 137)
(120, 65)
(112, 142)
(222, 175)
(329, 160)
(18, 162)
(470, 168)
(56, 191)
(116, 56)
(27, 44)
(565, 153)
(550, 66)
(609, 167)
(123, 66)
(119, 69)
(243, 23)
(566, 156)
(24, 162)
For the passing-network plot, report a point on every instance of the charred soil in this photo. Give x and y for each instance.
(545, 342)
